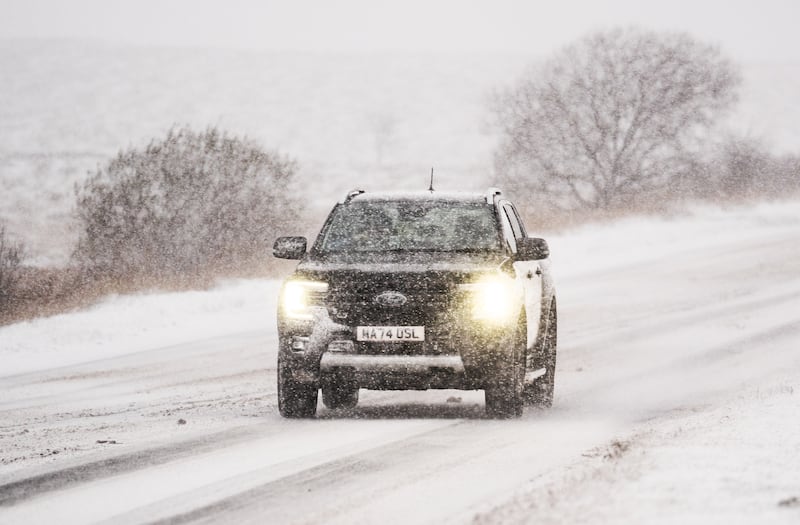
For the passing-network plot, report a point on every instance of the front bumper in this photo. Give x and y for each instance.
(408, 364)
(397, 372)
(471, 355)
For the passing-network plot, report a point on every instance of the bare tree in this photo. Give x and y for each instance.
(612, 117)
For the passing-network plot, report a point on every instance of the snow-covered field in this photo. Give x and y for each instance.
(678, 389)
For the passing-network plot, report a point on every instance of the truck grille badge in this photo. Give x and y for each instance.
(391, 299)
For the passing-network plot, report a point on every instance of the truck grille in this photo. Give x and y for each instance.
(430, 300)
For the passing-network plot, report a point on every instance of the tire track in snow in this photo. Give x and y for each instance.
(646, 327)
(14, 492)
(289, 448)
(453, 464)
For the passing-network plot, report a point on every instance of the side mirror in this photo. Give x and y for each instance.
(532, 249)
(289, 247)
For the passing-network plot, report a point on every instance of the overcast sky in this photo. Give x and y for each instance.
(748, 30)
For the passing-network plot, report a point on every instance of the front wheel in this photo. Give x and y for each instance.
(295, 399)
(504, 395)
(540, 392)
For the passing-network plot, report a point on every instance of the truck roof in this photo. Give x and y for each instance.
(431, 196)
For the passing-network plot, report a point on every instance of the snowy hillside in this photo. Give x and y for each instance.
(350, 120)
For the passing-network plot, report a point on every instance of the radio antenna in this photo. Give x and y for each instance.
(431, 188)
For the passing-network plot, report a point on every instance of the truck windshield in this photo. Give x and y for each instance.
(413, 226)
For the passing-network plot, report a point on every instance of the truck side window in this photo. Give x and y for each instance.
(513, 219)
(508, 231)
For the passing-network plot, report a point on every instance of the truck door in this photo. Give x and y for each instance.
(528, 273)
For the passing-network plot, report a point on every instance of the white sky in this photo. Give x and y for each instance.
(748, 30)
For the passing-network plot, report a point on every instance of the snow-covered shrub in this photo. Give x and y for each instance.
(11, 254)
(746, 169)
(190, 204)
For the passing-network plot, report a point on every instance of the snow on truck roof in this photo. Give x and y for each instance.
(445, 196)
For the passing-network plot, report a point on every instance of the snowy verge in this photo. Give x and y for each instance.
(632, 240)
(734, 463)
(126, 324)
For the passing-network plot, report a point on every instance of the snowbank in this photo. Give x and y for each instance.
(134, 323)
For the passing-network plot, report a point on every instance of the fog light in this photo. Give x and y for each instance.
(299, 343)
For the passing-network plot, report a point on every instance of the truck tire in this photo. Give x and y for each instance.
(295, 399)
(540, 392)
(504, 394)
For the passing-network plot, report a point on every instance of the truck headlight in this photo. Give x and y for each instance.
(299, 296)
(493, 299)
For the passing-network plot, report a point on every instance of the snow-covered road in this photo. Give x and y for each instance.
(677, 400)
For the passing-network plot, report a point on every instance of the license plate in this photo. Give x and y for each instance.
(390, 333)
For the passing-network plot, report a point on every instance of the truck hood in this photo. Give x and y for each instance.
(410, 272)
